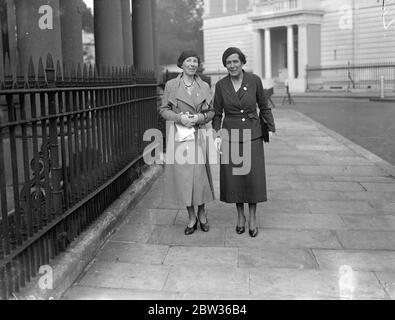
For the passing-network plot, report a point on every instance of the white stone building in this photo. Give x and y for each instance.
(281, 37)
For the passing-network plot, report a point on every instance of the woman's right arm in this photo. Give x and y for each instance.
(165, 109)
(218, 107)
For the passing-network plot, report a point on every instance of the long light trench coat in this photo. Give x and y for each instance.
(188, 183)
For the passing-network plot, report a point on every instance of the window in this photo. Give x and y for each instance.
(231, 6)
(216, 7)
(225, 7)
(243, 5)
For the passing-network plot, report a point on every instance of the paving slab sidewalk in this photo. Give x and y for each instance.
(327, 232)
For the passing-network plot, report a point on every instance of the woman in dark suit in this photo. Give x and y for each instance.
(237, 96)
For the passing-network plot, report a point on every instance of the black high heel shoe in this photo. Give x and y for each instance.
(190, 230)
(241, 230)
(254, 233)
(203, 213)
(204, 226)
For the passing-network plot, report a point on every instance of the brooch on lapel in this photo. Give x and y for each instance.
(245, 89)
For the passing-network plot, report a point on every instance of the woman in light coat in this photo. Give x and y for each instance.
(186, 104)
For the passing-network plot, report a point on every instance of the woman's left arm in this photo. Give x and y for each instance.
(264, 108)
(165, 109)
(208, 111)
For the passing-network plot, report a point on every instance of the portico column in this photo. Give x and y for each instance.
(155, 39)
(127, 33)
(290, 49)
(71, 28)
(38, 31)
(7, 32)
(258, 53)
(268, 54)
(108, 33)
(143, 37)
(302, 34)
(1, 50)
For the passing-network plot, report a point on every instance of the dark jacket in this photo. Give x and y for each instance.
(240, 108)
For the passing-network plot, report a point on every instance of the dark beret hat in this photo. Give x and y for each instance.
(185, 55)
(232, 50)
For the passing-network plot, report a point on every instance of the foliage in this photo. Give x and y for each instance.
(179, 27)
(87, 17)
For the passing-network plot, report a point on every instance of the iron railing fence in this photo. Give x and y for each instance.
(71, 141)
(351, 76)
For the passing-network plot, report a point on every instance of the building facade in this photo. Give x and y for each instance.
(281, 38)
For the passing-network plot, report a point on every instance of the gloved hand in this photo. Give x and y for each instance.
(194, 119)
(200, 118)
(186, 121)
(217, 143)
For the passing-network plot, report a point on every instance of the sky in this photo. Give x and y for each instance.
(89, 3)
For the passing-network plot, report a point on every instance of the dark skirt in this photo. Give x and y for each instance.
(237, 183)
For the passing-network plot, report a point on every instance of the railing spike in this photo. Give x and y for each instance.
(31, 74)
(50, 69)
(19, 80)
(79, 72)
(8, 74)
(95, 73)
(73, 73)
(118, 72)
(90, 74)
(49, 62)
(59, 76)
(114, 77)
(66, 74)
(113, 72)
(26, 84)
(40, 73)
(108, 74)
(85, 73)
(103, 72)
(1, 68)
(134, 74)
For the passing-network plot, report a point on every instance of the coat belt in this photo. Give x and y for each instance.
(251, 115)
